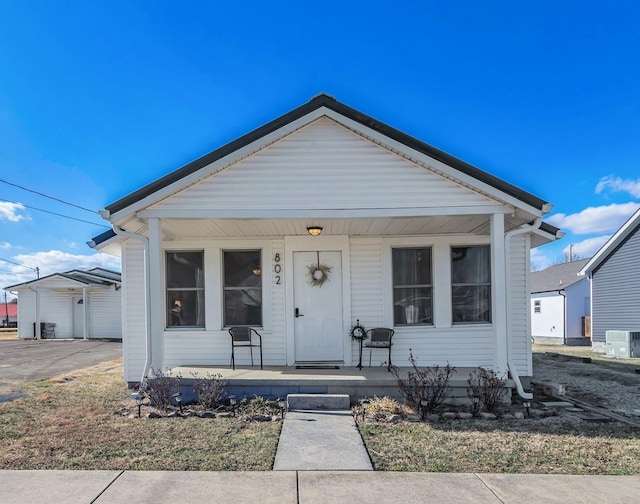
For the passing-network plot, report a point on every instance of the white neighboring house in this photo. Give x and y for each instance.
(80, 304)
(409, 237)
(560, 305)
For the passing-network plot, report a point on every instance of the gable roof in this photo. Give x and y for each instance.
(627, 230)
(557, 277)
(97, 277)
(314, 104)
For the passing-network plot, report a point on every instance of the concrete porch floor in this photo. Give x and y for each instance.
(278, 381)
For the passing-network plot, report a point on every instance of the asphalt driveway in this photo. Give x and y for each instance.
(33, 360)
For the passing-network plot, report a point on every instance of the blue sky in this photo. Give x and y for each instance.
(100, 98)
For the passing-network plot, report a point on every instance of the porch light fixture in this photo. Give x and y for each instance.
(256, 271)
(232, 402)
(177, 397)
(138, 397)
(281, 405)
(314, 230)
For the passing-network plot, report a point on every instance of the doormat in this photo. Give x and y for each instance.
(311, 366)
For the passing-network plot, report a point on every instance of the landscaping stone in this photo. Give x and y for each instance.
(153, 414)
(225, 414)
(449, 415)
(518, 415)
(207, 414)
(261, 418)
(414, 418)
(394, 418)
(463, 415)
(507, 416)
(434, 417)
(487, 416)
(536, 413)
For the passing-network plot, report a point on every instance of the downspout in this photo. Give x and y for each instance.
(36, 327)
(564, 316)
(145, 241)
(527, 396)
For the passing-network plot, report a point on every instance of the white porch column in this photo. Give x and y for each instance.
(499, 265)
(156, 290)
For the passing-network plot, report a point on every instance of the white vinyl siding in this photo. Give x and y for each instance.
(519, 330)
(616, 291)
(305, 166)
(134, 322)
(105, 314)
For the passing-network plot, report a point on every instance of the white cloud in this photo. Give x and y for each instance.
(5, 245)
(53, 261)
(10, 211)
(602, 219)
(616, 184)
(587, 248)
(539, 260)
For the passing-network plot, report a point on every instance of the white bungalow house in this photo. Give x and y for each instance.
(561, 305)
(73, 304)
(615, 285)
(406, 237)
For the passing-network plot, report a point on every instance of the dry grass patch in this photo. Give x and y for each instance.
(76, 422)
(556, 445)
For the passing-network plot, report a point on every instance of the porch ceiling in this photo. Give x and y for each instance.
(396, 226)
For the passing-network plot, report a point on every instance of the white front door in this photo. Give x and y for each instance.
(318, 309)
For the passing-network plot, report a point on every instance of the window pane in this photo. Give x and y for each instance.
(242, 288)
(471, 265)
(185, 308)
(472, 304)
(412, 266)
(184, 269)
(412, 303)
(412, 306)
(240, 269)
(185, 289)
(243, 307)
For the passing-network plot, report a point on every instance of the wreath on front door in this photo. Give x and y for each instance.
(318, 273)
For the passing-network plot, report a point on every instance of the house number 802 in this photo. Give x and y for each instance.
(277, 269)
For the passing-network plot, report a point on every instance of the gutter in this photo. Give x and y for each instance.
(36, 329)
(145, 241)
(527, 396)
(564, 315)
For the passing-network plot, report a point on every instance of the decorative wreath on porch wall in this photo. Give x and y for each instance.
(318, 273)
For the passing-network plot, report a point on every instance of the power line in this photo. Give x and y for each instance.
(54, 213)
(37, 270)
(47, 196)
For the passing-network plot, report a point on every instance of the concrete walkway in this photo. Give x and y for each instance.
(310, 487)
(321, 441)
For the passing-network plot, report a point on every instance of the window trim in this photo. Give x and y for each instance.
(224, 289)
(167, 289)
(489, 284)
(537, 306)
(430, 286)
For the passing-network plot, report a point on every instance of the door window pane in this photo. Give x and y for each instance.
(412, 287)
(471, 284)
(242, 288)
(185, 289)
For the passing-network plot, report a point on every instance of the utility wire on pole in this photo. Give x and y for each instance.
(36, 270)
(50, 197)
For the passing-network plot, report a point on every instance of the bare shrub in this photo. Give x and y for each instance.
(424, 388)
(486, 389)
(161, 388)
(210, 390)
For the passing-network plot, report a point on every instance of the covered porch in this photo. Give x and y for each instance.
(278, 381)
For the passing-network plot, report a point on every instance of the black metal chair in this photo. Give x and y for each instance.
(379, 337)
(242, 337)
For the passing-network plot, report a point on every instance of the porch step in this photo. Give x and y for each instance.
(318, 402)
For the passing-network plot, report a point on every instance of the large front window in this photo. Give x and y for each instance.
(471, 284)
(412, 286)
(185, 289)
(242, 288)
